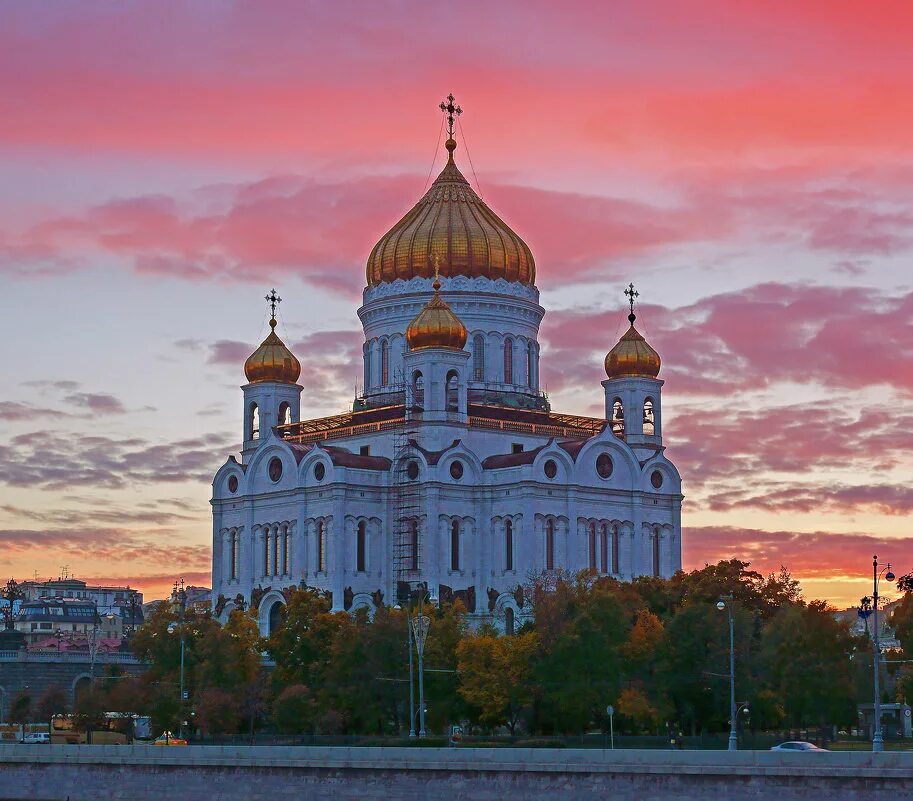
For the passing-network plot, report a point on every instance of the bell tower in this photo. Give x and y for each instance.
(272, 395)
(633, 393)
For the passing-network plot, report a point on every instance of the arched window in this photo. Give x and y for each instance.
(508, 544)
(478, 358)
(285, 414)
(276, 616)
(418, 389)
(509, 621)
(412, 556)
(321, 546)
(656, 552)
(508, 361)
(384, 363)
(592, 546)
(531, 365)
(360, 543)
(267, 537)
(615, 543)
(549, 544)
(233, 555)
(366, 353)
(276, 550)
(649, 426)
(618, 418)
(455, 545)
(254, 421)
(604, 549)
(286, 548)
(453, 392)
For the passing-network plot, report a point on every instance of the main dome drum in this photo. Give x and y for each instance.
(453, 224)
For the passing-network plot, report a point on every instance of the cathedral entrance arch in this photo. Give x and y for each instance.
(276, 617)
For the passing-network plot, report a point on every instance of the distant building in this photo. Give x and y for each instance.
(57, 618)
(122, 602)
(864, 623)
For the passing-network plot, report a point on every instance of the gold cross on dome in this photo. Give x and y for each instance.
(449, 109)
(631, 293)
(274, 300)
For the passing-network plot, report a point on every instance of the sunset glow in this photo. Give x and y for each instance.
(747, 165)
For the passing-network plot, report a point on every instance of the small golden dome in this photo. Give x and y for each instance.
(436, 326)
(272, 361)
(632, 356)
(454, 223)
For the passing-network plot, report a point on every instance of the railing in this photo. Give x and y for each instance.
(528, 428)
(69, 656)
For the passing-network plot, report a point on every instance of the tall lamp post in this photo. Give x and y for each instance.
(733, 713)
(878, 571)
(181, 605)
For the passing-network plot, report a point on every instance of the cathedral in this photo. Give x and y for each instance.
(451, 476)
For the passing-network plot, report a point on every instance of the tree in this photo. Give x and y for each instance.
(53, 701)
(300, 647)
(22, 708)
(495, 675)
(217, 712)
(89, 712)
(902, 621)
(294, 710)
(634, 705)
(805, 662)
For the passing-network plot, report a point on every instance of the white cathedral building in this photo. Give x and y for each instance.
(451, 473)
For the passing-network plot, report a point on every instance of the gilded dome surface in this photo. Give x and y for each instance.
(436, 326)
(632, 356)
(453, 223)
(272, 361)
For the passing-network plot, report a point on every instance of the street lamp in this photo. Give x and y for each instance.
(885, 571)
(733, 712)
(397, 607)
(181, 605)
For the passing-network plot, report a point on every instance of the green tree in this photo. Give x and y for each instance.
(805, 662)
(294, 710)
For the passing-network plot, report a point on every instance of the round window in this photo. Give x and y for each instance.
(604, 465)
(275, 468)
(551, 469)
(320, 471)
(456, 470)
(412, 471)
(656, 479)
(232, 484)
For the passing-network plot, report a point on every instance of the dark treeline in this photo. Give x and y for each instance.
(656, 649)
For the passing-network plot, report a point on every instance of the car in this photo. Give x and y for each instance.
(797, 745)
(36, 738)
(167, 738)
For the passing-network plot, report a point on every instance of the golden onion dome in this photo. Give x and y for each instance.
(272, 361)
(453, 223)
(436, 326)
(632, 356)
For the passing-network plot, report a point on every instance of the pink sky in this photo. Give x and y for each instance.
(748, 165)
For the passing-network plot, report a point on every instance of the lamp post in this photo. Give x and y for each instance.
(885, 570)
(181, 604)
(733, 712)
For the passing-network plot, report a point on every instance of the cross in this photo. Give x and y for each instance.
(631, 294)
(274, 300)
(449, 109)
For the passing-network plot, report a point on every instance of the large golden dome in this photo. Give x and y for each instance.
(451, 222)
(632, 356)
(436, 326)
(272, 361)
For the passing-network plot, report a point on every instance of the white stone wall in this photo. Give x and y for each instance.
(481, 500)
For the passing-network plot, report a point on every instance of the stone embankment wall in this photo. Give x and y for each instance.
(195, 773)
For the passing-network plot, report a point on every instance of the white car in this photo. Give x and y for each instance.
(797, 745)
(36, 738)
